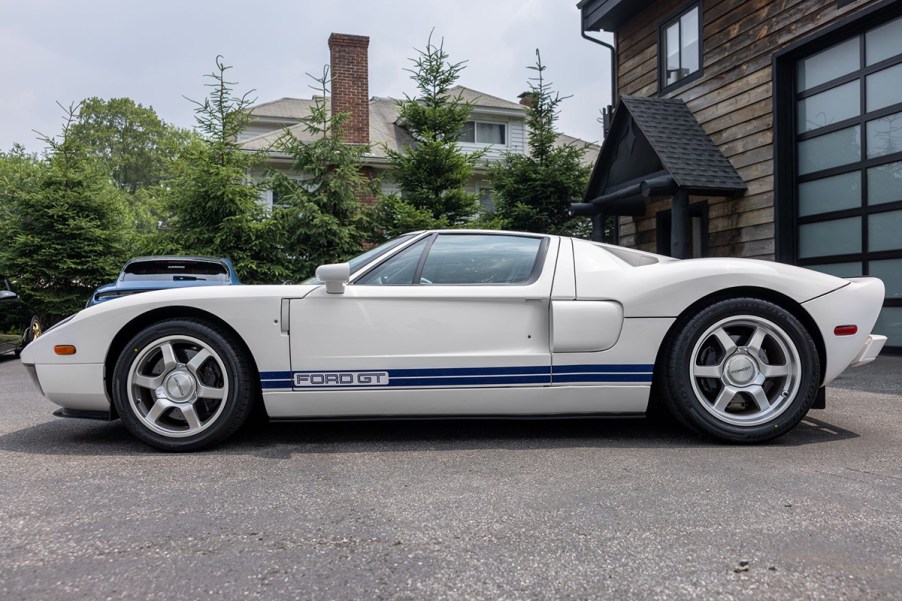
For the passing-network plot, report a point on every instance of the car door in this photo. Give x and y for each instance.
(452, 311)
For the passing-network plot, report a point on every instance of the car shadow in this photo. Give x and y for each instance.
(281, 440)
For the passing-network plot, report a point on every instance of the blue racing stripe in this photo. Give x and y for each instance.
(617, 369)
(477, 376)
(575, 378)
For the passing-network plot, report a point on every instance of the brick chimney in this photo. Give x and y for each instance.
(350, 84)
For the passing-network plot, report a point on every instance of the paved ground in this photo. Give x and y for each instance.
(456, 510)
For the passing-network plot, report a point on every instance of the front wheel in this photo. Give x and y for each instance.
(182, 385)
(741, 370)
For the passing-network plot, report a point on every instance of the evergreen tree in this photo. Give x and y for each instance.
(67, 226)
(214, 205)
(431, 174)
(318, 218)
(18, 171)
(533, 193)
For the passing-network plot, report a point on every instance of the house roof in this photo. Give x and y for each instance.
(655, 146)
(482, 100)
(283, 108)
(384, 131)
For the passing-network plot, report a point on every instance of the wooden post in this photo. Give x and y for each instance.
(679, 225)
(598, 227)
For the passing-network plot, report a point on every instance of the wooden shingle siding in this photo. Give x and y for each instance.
(732, 100)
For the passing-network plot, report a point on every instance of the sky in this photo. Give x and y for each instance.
(58, 52)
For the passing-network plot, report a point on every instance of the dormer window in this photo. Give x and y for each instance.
(680, 48)
(480, 132)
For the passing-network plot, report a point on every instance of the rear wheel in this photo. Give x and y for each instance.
(182, 385)
(741, 370)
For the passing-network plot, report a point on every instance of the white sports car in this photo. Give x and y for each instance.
(469, 323)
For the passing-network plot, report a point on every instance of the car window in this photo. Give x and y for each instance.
(174, 269)
(461, 259)
(399, 270)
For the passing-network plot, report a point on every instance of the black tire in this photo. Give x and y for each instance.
(183, 385)
(741, 370)
(34, 330)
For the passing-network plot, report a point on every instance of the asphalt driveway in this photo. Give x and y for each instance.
(584, 509)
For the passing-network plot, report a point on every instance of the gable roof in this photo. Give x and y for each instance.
(654, 147)
(685, 150)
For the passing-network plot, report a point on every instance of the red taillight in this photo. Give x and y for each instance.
(845, 330)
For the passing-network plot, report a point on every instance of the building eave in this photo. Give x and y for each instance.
(608, 15)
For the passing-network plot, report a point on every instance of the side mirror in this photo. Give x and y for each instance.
(7, 294)
(334, 276)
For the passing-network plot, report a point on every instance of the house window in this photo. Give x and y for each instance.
(680, 48)
(841, 209)
(479, 132)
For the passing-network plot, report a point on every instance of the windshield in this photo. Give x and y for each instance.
(370, 255)
(361, 260)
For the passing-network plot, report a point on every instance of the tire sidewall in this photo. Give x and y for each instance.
(682, 398)
(237, 401)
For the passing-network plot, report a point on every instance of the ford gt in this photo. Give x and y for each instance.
(469, 323)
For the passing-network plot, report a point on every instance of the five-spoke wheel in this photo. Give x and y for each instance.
(178, 385)
(182, 385)
(743, 370)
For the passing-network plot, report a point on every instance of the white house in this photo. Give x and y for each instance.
(497, 125)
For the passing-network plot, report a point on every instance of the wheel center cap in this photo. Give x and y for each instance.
(741, 370)
(180, 386)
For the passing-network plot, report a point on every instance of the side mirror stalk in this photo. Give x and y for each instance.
(334, 276)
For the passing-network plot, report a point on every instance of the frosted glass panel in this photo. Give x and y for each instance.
(885, 135)
(891, 273)
(885, 231)
(884, 42)
(829, 64)
(837, 237)
(830, 194)
(889, 324)
(828, 107)
(884, 88)
(840, 270)
(885, 183)
(831, 150)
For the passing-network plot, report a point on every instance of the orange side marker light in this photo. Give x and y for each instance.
(64, 349)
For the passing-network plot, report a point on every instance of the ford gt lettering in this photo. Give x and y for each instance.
(465, 324)
(341, 379)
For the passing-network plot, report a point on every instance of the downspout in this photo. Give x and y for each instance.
(607, 114)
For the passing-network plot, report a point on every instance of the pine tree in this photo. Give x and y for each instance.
(432, 173)
(215, 208)
(318, 217)
(533, 192)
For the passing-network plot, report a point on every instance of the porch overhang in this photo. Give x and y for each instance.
(656, 148)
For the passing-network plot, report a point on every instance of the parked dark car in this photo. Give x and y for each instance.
(143, 274)
(19, 324)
